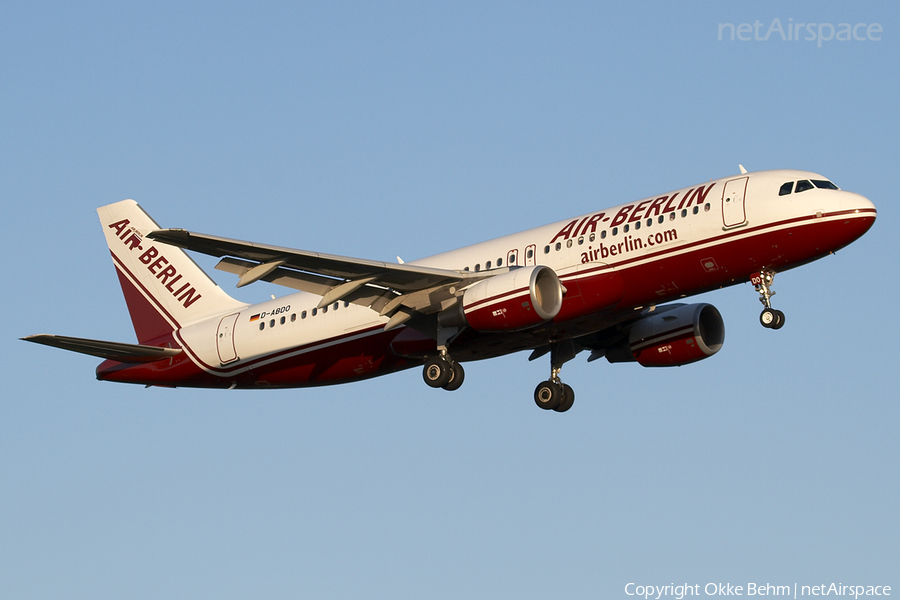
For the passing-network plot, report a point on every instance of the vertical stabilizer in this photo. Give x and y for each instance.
(164, 288)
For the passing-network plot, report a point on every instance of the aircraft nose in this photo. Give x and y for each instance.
(858, 203)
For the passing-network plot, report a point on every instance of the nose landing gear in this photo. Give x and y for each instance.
(769, 318)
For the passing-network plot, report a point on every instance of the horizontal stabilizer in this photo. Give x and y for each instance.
(128, 353)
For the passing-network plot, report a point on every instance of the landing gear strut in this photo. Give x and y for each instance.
(553, 394)
(769, 317)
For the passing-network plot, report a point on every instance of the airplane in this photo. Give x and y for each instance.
(598, 282)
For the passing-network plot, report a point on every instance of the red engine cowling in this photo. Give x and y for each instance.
(518, 299)
(672, 336)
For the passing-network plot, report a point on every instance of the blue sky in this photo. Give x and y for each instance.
(409, 129)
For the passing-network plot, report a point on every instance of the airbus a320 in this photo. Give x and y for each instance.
(596, 283)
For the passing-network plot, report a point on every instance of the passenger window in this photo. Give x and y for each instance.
(272, 323)
(282, 320)
(303, 315)
(786, 188)
(499, 262)
(568, 243)
(603, 235)
(696, 209)
(637, 225)
(558, 246)
(706, 207)
(593, 237)
(466, 269)
(824, 185)
(671, 216)
(487, 265)
(625, 229)
(802, 186)
(615, 231)
(336, 305)
(478, 267)
(530, 253)
(293, 317)
(262, 325)
(324, 309)
(546, 250)
(315, 311)
(580, 240)
(649, 222)
(683, 213)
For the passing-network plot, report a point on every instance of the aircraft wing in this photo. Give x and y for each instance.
(402, 277)
(129, 353)
(396, 290)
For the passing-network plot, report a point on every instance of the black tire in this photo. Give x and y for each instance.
(768, 318)
(458, 377)
(437, 372)
(779, 320)
(568, 399)
(547, 395)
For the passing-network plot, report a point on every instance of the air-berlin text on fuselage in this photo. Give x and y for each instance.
(632, 213)
(157, 264)
(628, 244)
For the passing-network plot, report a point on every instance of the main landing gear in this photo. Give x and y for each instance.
(443, 372)
(769, 317)
(553, 394)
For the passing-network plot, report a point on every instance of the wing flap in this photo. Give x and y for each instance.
(364, 295)
(128, 353)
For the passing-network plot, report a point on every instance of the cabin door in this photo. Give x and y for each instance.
(733, 211)
(225, 339)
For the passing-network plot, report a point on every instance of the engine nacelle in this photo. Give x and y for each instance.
(518, 299)
(672, 336)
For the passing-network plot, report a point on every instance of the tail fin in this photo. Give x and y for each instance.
(164, 289)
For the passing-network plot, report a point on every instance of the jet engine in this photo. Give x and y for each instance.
(518, 299)
(671, 336)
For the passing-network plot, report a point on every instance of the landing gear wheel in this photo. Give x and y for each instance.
(772, 318)
(779, 320)
(458, 377)
(547, 395)
(567, 400)
(437, 372)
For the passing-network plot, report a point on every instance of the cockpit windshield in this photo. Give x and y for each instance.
(823, 184)
(806, 184)
(803, 185)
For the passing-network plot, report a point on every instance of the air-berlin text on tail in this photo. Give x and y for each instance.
(157, 264)
(632, 213)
